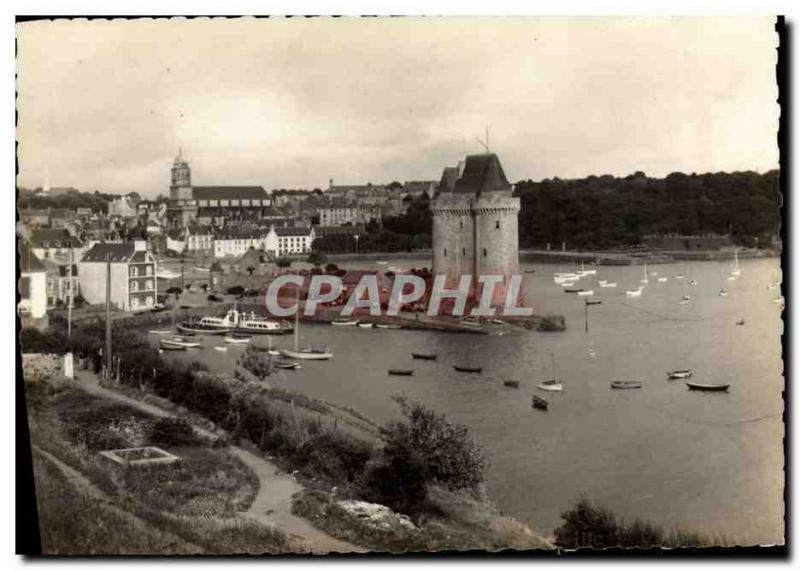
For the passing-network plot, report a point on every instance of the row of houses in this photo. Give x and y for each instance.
(275, 241)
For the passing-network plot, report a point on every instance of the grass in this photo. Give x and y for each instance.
(72, 522)
(449, 522)
(197, 500)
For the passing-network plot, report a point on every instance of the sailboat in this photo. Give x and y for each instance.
(644, 278)
(306, 353)
(735, 269)
(722, 291)
(551, 385)
(635, 292)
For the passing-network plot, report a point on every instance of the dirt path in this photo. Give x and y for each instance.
(85, 487)
(272, 504)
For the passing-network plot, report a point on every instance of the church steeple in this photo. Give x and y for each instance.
(181, 174)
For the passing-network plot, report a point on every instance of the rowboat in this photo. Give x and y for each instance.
(160, 331)
(170, 345)
(625, 385)
(288, 365)
(365, 325)
(593, 302)
(344, 323)
(685, 300)
(511, 383)
(635, 293)
(400, 372)
(475, 369)
(740, 322)
(662, 279)
(539, 403)
(221, 348)
(530, 271)
(708, 387)
(423, 356)
(234, 340)
(679, 374)
(588, 293)
(572, 290)
(183, 342)
(384, 326)
(607, 284)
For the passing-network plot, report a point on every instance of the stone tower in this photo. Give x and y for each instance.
(182, 208)
(475, 224)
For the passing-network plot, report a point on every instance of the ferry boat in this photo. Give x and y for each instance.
(234, 320)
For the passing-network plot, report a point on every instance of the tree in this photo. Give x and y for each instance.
(317, 258)
(256, 362)
(447, 453)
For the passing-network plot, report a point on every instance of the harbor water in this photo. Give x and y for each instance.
(709, 462)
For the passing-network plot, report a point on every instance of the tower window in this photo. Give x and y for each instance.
(463, 251)
(484, 252)
(497, 224)
(461, 225)
(445, 252)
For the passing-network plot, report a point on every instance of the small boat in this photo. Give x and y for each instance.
(723, 293)
(625, 385)
(692, 282)
(365, 325)
(573, 290)
(306, 354)
(680, 276)
(400, 372)
(511, 383)
(382, 262)
(662, 279)
(530, 271)
(551, 385)
(344, 323)
(423, 356)
(602, 282)
(221, 348)
(679, 374)
(539, 403)
(593, 302)
(170, 345)
(201, 328)
(740, 322)
(567, 283)
(588, 293)
(685, 300)
(732, 278)
(388, 327)
(634, 293)
(160, 331)
(460, 368)
(607, 284)
(231, 339)
(708, 387)
(182, 341)
(287, 365)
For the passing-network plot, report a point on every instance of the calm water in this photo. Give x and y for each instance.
(703, 461)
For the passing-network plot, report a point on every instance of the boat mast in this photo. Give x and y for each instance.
(553, 359)
(297, 320)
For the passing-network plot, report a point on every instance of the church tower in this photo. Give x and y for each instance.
(182, 206)
(475, 224)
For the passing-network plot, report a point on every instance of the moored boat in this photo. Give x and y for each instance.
(388, 326)
(160, 331)
(344, 323)
(679, 374)
(424, 356)
(400, 372)
(607, 284)
(572, 290)
(306, 354)
(550, 386)
(539, 403)
(708, 387)
(197, 327)
(232, 339)
(287, 365)
(593, 302)
(634, 293)
(221, 348)
(625, 385)
(740, 322)
(588, 293)
(171, 345)
(511, 383)
(461, 368)
(365, 325)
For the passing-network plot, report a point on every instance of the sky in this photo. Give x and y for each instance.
(293, 103)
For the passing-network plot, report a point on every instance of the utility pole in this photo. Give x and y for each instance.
(108, 316)
(71, 287)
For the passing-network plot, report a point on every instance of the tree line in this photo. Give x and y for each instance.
(606, 211)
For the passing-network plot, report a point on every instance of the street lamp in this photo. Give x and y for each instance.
(356, 238)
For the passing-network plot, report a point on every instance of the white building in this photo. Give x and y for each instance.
(289, 241)
(124, 207)
(32, 285)
(200, 239)
(229, 243)
(133, 275)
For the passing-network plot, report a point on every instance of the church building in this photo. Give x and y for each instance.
(475, 224)
(211, 205)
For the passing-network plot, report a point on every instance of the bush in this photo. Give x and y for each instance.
(256, 362)
(172, 432)
(589, 526)
(317, 258)
(398, 481)
(447, 453)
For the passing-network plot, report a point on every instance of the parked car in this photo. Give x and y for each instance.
(215, 298)
(235, 290)
(251, 292)
(173, 291)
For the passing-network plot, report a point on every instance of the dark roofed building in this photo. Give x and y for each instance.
(58, 238)
(114, 252)
(448, 180)
(229, 193)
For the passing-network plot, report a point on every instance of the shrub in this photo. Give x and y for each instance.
(172, 432)
(256, 362)
(398, 481)
(448, 454)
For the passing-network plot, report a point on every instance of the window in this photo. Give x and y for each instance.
(463, 251)
(461, 225)
(484, 252)
(133, 272)
(445, 252)
(497, 225)
(149, 284)
(134, 286)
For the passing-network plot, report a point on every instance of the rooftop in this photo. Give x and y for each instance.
(115, 252)
(229, 193)
(482, 173)
(49, 237)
